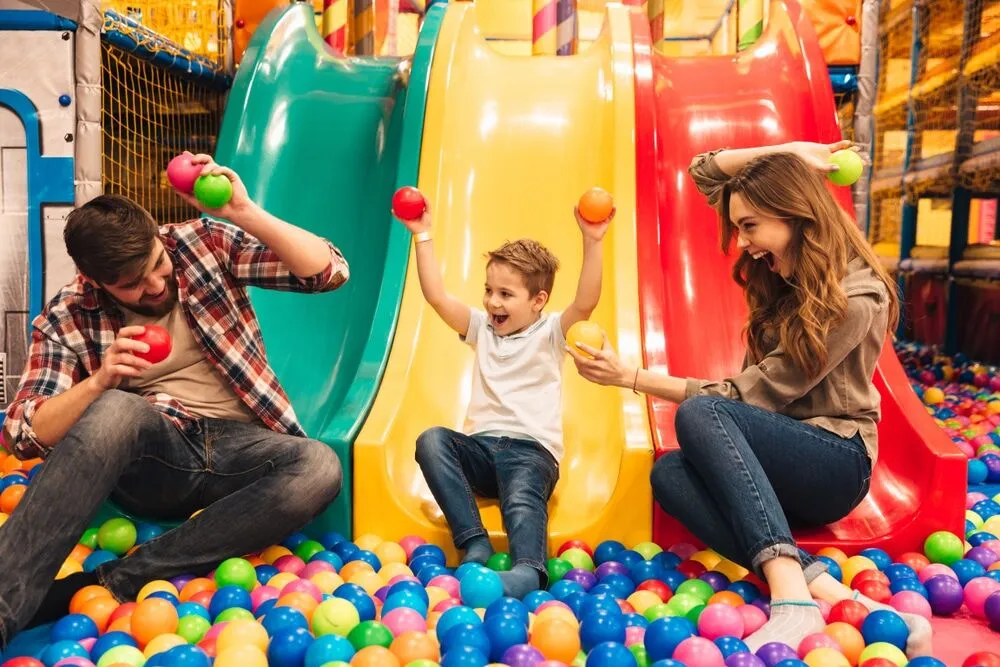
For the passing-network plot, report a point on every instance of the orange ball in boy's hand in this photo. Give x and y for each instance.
(595, 205)
(586, 332)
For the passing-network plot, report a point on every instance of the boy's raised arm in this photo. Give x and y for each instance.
(588, 288)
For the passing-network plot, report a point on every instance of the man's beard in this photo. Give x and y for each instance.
(157, 309)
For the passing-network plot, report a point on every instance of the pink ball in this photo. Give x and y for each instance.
(967, 449)
(262, 594)
(445, 605)
(182, 174)
(698, 652)
(933, 570)
(315, 567)
(213, 632)
(817, 640)
(753, 618)
(976, 592)
(824, 608)
(450, 584)
(911, 602)
(411, 542)
(303, 586)
(720, 620)
(973, 498)
(995, 383)
(290, 563)
(402, 577)
(550, 663)
(981, 440)
(74, 661)
(684, 550)
(550, 603)
(403, 619)
(87, 642)
(992, 545)
(634, 635)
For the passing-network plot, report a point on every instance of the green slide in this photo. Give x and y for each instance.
(323, 142)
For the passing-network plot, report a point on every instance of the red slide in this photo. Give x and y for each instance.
(693, 313)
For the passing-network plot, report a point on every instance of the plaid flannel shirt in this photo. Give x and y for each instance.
(214, 263)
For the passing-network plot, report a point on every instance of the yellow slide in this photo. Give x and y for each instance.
(510, 143)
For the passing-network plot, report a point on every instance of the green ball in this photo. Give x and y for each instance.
(655, 611)
(500, 562)
(850, 167)
(698, 588)
(341, 663)
(234, 614)
(681, 603)
(89, 538)
(943, 547)
(193, 628)
(308, 549)
(639, 652)
(694, 614)
(578, 558)
(334, 617)
(126, 655)
(236, 572)
(557, 568)
(647, 549)
(369, 633)
(883, 650)
(580, 660)
(416, 663)
(116, 535)
(213, 190)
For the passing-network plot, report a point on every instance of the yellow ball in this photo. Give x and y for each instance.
(883, 650)
(157, 586)
(933, 396)
(834, 553)
(435, 595)
(241, 656)
(826, 657)
(162, 643)
(588, 333)
(707, 558)
(3, 518)
(273, 553)
(993, 408)
(643, 600)
(368, 580)
(974, 518)
(394, 570)
(237, 634)
(368, 541)
(353, 568)
(992, 525)
(390, 552)
(281, 580)
(733, 571)
(855, 564)
(69, 567)
(327, 581)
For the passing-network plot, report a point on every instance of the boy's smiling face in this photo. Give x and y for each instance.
(507, 302)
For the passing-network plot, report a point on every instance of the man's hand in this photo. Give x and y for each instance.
(593, 231)
(119, 363)
(238, 204)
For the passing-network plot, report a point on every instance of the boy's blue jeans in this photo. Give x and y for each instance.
(744, 475)
(520, 473)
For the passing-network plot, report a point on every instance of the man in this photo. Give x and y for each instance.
(208, 427)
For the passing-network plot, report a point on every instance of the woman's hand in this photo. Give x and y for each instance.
(818, 155)
(606, 368)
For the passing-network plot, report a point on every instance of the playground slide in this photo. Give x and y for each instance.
(323, 142)
(509, 146)
(692, 311)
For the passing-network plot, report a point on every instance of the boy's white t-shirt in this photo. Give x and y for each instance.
(517, 381)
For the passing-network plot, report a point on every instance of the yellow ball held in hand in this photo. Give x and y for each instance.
(586, 332)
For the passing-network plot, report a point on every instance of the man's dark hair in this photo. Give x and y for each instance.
(110, 237)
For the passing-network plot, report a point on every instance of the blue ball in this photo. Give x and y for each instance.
(508, 605)
(606, 551)
(59, 650)
(228, 597)
(628, 558)
(966, 570)
(431, 550)
(900, 571)
(405, 598)
(409, 588)
(503, 631)
(463, 656)
(908, 584)
(969, 527)
(346, 550)
(746, 590)
(664, 634)
(791, 662)
(575, 602)
(668, 560)
(611, 654)
(73, 627)
(328, 648)
(978, 472)
(618, 584)
(601, 627)
(430, 570)
(979, 537)
(293, 541)
(645, 570)
(885, 626)
(881, 559)
(673, 578)
(96, 559)
(288, 647)
(184, 656)
(264, 607)
(636, 620)
(358, 597)
(144, 532)
(368, 557)
(108, 641)
(602, 589)
(986, 508)
(14, 480)
(535, 599)
(192, 609)
(925, 661)
(465, 568)
(328, 556)
(596, 603)
(729, 645)
(280, 619)
(563, 588)
(166, 595)
(331, 539)
(456, 616)
(667, 663)
(481, 587)
(265, 572)
(994, 574)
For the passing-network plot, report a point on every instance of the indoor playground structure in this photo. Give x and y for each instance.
(502, 112)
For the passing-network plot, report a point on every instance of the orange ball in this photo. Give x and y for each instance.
(80, 553)
(556, 640)
(10, 464)
(596, 205)
(85, 595)
(850, 640)
(10, 497)
(414, 645)
(836, 554)
(727, 597)
(195, 586)
(374, 656)
(124, 611)
(242, 633)
(353, 568)
(241, 656)
(123, 624)
(152, 617)
(302, 601)
(99, 610)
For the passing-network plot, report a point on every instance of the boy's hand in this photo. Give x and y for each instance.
(421, 224)
(593, 231)
(237, 205)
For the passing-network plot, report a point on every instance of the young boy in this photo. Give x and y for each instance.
(512, 440)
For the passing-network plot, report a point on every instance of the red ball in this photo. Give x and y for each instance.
(851, 612)
(575, 544)
(408, 203)
(914, 560)
(692, 569)
(877, 662)
(982, 659)
(658, 587)
(182, 174)
(23, 662)
(204, 598)
(625, 606)
(868, 575)
(875, 589)
(159, 344)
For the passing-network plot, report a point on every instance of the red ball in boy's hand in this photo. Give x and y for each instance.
(158, 340)
(182, 173)
(408, 203)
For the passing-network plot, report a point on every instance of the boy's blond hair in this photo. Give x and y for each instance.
(536, 263)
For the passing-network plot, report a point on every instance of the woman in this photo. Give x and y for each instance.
(793, 436)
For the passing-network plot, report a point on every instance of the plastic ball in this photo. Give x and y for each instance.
(213, 190)
(182, 173)
(595, 205)
(849, 167)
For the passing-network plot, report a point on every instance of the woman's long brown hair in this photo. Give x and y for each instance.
(799, 312)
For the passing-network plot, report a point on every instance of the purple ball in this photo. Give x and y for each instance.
(610, 567)
(983, 556)
(993, 468)
(774, 652)
(764, 604)
(993, 610)
(716, 580)
(382, 593)
(181, 580)
(744, 659)
(522, 655)
(582, 577)
(945, 595)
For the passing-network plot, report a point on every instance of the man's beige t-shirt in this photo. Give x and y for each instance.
(187, 375)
